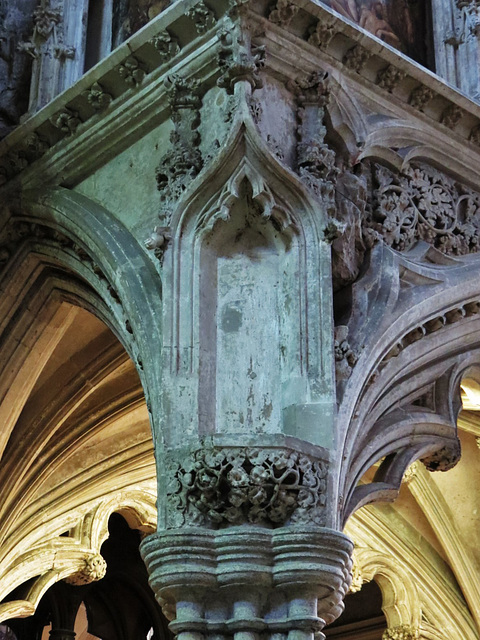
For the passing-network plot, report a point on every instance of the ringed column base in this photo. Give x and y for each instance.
(243, 581)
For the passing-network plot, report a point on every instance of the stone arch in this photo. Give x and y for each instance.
(400, 597)
(407, 407)
(418, 145)
(76, 556)
(129, 272)
(51, 276)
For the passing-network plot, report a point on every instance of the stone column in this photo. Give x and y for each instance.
(246, 542)
(247, 580)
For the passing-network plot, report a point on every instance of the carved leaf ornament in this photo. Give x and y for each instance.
(238, 486)
(424, 204)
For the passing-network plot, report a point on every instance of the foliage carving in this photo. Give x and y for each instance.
(230, 486)
(424, 204)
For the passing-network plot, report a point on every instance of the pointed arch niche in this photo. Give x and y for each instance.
(247, 327)
(251, 318)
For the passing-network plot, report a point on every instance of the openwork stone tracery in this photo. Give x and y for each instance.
(424, 204)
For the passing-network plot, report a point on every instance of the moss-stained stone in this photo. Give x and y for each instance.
(134, 198)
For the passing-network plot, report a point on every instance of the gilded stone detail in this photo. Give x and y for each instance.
(357, 579)
(248, 485)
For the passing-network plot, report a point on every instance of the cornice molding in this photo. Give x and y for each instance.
(66, 156)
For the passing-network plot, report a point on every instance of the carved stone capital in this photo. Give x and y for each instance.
(249, 579)
(238, 485)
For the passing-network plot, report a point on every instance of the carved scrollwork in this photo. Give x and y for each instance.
(247, 485)
(424, 204)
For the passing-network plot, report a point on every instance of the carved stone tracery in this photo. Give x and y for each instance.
(238, 486)
(424, 204)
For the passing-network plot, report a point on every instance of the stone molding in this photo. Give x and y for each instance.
(155, 45)
(263, 581)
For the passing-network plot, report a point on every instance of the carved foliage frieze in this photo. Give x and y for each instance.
(220, 487)
(424, 204)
